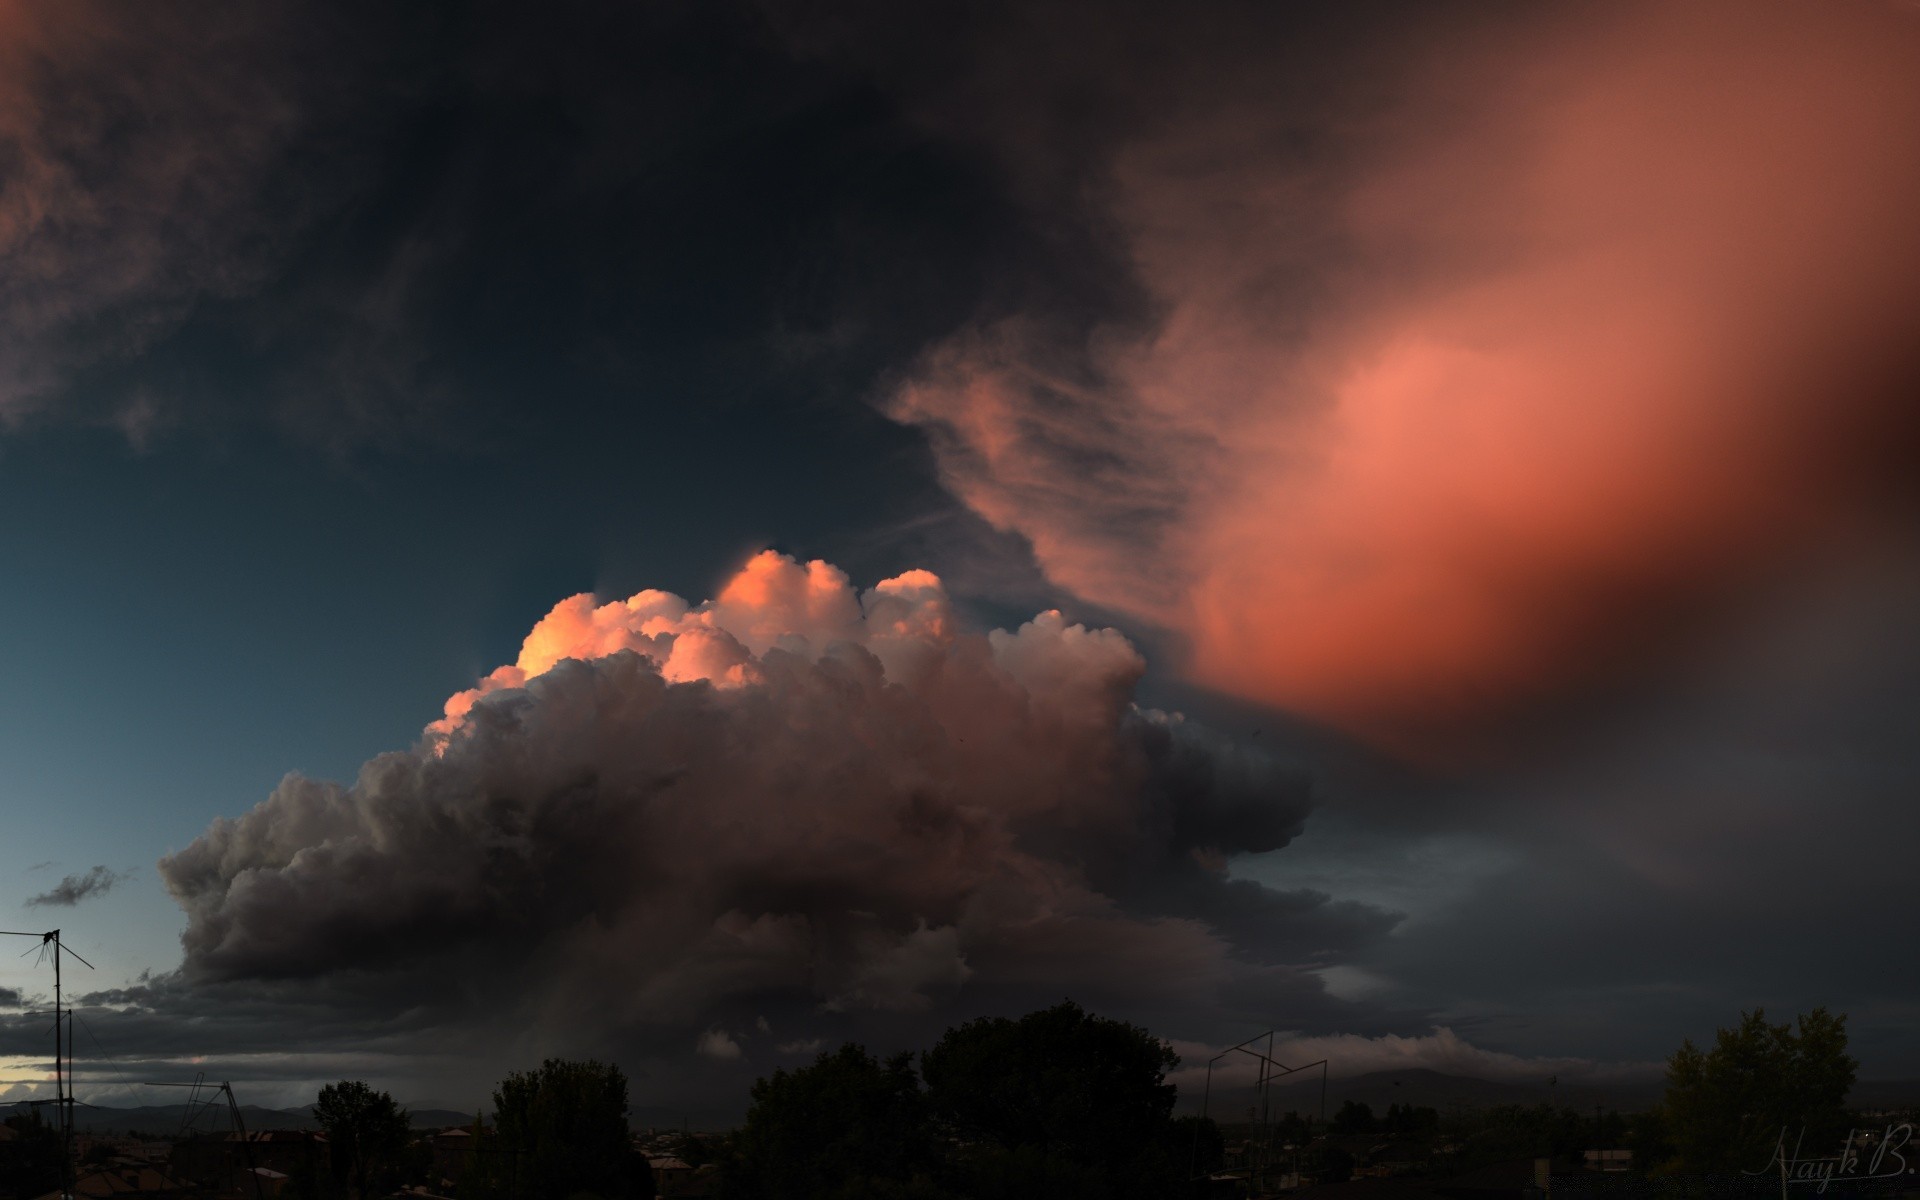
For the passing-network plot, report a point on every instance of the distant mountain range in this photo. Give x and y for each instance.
(1379, 1090)
(169, 1120)
(1433, 1089)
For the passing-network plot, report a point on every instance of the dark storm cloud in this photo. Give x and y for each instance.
(1717, 849)
(278, 1042)
(72, 889)
(11, 998)
(147, 166)
(364, 226)
(1336, 234)
(791, 814)
(783, 802)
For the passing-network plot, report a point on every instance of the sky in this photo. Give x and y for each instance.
(688, 533)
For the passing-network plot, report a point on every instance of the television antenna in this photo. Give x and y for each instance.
(62, 1049)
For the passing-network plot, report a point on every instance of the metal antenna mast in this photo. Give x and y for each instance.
(62, 1040)
(233, 1110)
(1270, 1071)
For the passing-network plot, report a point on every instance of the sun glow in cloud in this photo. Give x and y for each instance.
(1607, 320)
(773, 602)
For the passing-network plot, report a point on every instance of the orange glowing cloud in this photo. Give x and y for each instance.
(773, 602)
(1617, 318)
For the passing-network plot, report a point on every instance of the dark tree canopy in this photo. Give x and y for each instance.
(849, 1125)
(30, 1159)
(367, 1133)
(1504, 1132)
(1354, 1117)
(1727, 1107)
(562, 1131)
(1059, 1102)
(1405, 1118)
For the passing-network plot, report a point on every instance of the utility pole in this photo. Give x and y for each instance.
(62, 1037)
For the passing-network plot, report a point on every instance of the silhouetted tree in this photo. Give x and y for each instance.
(1292, 1130)
(1353, 1117)
(367, 1133)
(1509, 1131)
(1059, 1103)
(561, 1132)
(30, 1160)
(1196, 1146)
(1725, 1108)
(1646, 1135)
(308, 1179)
(848, 1126)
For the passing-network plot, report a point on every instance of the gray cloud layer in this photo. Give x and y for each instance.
(142, 174)
(72, 889)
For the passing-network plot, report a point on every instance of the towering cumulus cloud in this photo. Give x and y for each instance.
(1500, 364)
(792, 798)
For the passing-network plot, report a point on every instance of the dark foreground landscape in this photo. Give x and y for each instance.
(1061, 1103)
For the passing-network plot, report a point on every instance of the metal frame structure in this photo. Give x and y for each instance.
(1270, 1070)
(233, 1109)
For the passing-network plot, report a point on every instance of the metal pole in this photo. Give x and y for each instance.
(1206, 1095)
(61, 1099)
(1266, 1091)
(63, 1102)
(246, 1144)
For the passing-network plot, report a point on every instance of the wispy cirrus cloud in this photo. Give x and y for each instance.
(72, 889)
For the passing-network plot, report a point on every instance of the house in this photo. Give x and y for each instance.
(669, 1173)
(123, 1181)
(452, 1151)
(216, 1159)
(1371, 1189)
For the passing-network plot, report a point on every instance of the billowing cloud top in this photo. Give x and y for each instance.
(793, 794)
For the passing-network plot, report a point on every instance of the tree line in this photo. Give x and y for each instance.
(558, 1133)
(1059, 1102)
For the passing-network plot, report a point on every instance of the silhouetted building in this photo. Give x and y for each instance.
(124, 1181)
(220, 1160)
